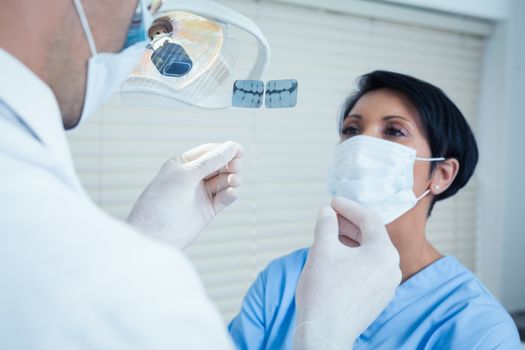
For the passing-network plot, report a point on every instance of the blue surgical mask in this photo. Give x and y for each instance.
(137, 31)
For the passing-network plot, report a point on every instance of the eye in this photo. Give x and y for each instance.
(394, 131)
(350, 131)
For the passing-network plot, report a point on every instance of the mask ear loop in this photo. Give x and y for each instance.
(439, 159)
(423, 195)
(85, 26)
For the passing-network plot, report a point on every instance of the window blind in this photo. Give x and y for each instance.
(119, 150)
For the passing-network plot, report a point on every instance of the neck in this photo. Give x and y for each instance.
(415, 251)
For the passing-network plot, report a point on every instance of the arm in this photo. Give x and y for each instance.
(168, 309)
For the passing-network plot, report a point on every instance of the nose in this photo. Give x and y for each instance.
(372, 130)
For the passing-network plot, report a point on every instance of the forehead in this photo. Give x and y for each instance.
(385, 102)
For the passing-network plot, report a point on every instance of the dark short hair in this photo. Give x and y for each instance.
(447, 131)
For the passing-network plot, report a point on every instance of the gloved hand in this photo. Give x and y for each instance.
(343, 289)
(187, 193)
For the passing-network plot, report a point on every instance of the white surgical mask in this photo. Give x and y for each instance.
(106, 71)
(376, 173)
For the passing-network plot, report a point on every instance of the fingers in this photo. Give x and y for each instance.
(348, 241)
(348, 230)
(222, 181)
(369, 224)
(232, 167)
(223, 199)
(197, 152)
(328, 242)
(350, 210)
(213, 159)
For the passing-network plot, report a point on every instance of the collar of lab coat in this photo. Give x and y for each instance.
(35, 104)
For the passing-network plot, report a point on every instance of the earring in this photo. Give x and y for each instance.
(436, 187)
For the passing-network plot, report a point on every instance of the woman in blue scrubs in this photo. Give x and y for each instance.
(440, 304)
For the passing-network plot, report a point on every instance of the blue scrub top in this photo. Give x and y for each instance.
(444, 306)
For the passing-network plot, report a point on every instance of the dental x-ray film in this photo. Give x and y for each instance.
(281, 93)
(248, 93)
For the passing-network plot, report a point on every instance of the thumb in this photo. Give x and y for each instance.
(371, 226)
(214, 159)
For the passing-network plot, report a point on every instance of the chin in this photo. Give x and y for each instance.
(70, 122)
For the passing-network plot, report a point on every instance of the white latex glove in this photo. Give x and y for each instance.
(188, 192)
(343, 289)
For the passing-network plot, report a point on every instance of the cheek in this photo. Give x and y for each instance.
(421, 176)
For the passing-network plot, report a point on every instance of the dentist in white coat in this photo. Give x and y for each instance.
(72, 277)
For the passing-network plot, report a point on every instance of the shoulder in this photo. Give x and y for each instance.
(484, 320)
(279, 277)
(478, 326)
(275, 285)
(268, 302)
(279, 281)
(87, 254)
(289, 265)
(473, 317)
(475, 300)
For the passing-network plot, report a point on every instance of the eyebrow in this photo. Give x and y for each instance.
(388, 117)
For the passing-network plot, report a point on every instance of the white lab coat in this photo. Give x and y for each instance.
(71, 276)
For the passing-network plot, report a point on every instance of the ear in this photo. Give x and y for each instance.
(444, 175)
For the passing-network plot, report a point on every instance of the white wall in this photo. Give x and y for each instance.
(488, 9)
(513, 286)
(502, 163)
(490, 137)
